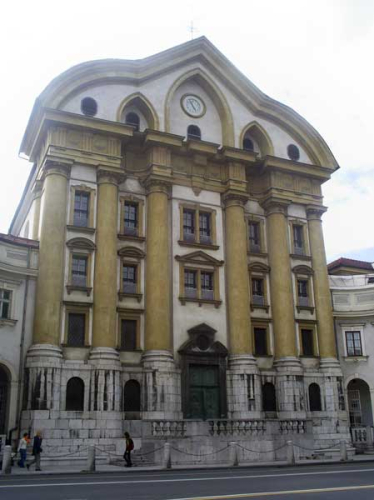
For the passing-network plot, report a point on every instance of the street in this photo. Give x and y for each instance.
(330, 482)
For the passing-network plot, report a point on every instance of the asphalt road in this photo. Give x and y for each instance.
(330, 482)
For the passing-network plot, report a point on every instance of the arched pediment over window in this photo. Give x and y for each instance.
(258, 267)
(199, 78)
(138, 104)
(260, 139)
(303, 269)
(81, 243)
(132, 252)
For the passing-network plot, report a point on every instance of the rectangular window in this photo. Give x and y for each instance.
(307, 342)
(260, 335)
(5, 298)
(302, 292)
(79, 271)
(131, 218)
(129, 276)
(258, 297)
(128, 334)
(354, 346)
(254, 237)
(207, 291)
(81, 208)
(189, 225)
(76, 330)
(190, 283)
(205, 228)
(298, 239)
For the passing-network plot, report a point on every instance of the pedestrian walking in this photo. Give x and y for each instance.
(36, 451)
(22, 449)
(128, 450)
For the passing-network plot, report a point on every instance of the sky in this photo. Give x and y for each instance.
(315, 56)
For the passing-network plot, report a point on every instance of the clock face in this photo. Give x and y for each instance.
(193, 105)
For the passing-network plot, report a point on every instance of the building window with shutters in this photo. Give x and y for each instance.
(198, 227)
(5, 303)
(129, 334)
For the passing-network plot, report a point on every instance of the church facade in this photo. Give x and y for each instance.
(182, 275)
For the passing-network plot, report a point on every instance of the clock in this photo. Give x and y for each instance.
(192, 105)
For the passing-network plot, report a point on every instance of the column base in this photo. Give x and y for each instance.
(330, 365)
(45, 351)
(104, 355)
(289, 364)
(162, 386)
(244, 387)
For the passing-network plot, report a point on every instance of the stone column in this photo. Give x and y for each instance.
(50, 282)
(243, 365)
(322, 297)
(105, 275)
(289, 393)
(161, 380)
(37, 190)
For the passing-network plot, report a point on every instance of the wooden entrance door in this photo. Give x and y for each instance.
(204, 392)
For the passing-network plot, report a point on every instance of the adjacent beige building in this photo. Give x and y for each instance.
(182, 281)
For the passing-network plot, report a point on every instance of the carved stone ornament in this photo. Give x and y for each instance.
(201, 342)
(110, 177)
(315, 213)
(56, 167)
(153, 185)
(235, 199)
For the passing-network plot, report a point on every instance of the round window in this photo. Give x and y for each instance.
(202, 342)
(293, 152)
(89, 106)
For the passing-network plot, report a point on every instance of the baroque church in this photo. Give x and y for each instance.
(182, 286)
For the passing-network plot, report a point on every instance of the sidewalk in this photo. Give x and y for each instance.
(50, 469)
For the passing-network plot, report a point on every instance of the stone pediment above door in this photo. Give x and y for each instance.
(199, 257)
(202, 343)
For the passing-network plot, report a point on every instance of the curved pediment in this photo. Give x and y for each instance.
(83, 243)
(199, 257)
(259, 267)
(303, 269)
(132, 252)
(202, 343)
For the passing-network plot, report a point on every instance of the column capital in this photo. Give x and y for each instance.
(234, 198)
(57, 167)
(157, 185)
(314, 212)
(275, 205)
(107, 176)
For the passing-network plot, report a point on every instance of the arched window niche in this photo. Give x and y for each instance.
(75, 394)
(315, 397)
(131, 396)
(193, 132)
(269, 401)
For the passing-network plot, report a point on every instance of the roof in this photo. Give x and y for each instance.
(201, 53)
(344, 262)
(17, 240)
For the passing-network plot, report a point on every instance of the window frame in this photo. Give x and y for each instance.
(129, 315)
(139, 202)
(266, 334)
(77, 309)
(305, 249)
(308, 325)
(84, 248)
(259, 271)
(263, 324)
(196, 241)
(354, 329)
(303, 273)
(74, 188)
(3, 301)
(260, 223)
(131, 256)
(199, 262)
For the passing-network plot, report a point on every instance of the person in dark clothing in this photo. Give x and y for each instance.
(36, 451)
(128, 450)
